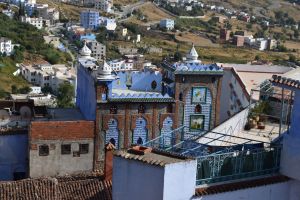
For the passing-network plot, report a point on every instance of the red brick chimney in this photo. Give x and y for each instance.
(108, 167)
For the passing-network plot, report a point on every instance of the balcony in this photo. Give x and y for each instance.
(235, 165)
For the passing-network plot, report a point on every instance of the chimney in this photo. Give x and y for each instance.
(108, 166)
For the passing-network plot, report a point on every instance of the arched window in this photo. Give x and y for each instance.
(140, 132)
(198, 108)
(112, 134)
(141, 109)
(140, 141)
(153, 85)
(113, 109)
(113, 141)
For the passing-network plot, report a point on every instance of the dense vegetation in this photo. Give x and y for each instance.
(30, 39)
(181, 11)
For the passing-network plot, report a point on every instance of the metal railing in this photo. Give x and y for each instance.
(234, 165)
(167, 140)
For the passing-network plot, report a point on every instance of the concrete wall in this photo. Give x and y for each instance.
(232, 126)
(228, 100)
(134, 180)
(54, 134)
(278, 191)
(180, 180)
(13, 155)
(57, 164)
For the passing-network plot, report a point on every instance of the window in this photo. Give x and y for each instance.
(198, 108)
(180, 97)
(43, 150)
(153, 85)
(170, 108)
(140, 140)
(113, 109)
(141, 109)
(65, 149)
(84, 148)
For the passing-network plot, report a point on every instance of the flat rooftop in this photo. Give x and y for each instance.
(62, 114)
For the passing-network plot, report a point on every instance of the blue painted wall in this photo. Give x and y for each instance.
(140, 131)
(141, 81)
(112, 132)
(86, 94)
(13, 155)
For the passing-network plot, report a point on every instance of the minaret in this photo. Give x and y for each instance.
(104, 81)
(85, 52)
(192, 56)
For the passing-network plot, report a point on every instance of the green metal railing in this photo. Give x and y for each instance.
(234, 165)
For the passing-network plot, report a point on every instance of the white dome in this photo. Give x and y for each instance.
(85, 51)
(105, 69)
(192, 55)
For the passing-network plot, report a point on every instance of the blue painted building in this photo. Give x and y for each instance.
(13, 156)
(90, 19)
(88, 36)
(133, 107)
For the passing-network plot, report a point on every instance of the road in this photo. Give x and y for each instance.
(128, 10)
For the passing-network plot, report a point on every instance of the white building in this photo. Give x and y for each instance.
(9, 13)
(120, 65)
(261, 44)
(249, 40)
(167, 24)
(109, 24)
(37, 22)
(104, 5)
(5, 46)
(48, 75)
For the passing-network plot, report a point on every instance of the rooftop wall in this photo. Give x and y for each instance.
(60, 130)
(140, 81)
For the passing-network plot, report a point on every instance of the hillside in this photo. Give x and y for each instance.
(32, 46)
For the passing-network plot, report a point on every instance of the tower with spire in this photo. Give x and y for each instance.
(192, 56)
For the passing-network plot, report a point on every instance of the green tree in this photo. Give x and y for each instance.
(65, 95)
(14, 89)
(47, 90)
(292, 58)
(296, 34)
(24, 90)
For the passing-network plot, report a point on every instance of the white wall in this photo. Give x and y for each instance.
(230, 127)
(180, 180)
(278, 191)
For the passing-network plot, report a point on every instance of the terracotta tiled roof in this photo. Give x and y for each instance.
(240, 185)
(54, 189)
(285, 81)
(152, 157)
(86, 189)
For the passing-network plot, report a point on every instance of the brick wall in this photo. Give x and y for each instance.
(61, 130)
